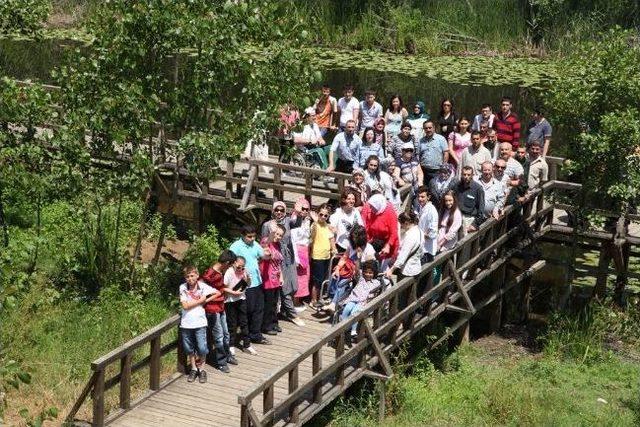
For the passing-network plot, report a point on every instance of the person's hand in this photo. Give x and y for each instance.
(330, 169)
(335, 273)
(203, 298)
(497, 214)
(389, 273)
(472, 228)
(385, 250)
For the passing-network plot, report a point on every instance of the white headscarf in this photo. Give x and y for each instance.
(378, 202)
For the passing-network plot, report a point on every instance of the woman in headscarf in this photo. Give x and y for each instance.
(300, 238)
(416, 118)
(379, 132)
(359, 187)
(289, 274)
(381, 223)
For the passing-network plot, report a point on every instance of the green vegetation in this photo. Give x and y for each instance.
(586, 374)
(483, 26)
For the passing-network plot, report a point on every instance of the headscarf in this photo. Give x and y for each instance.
(379, 135)
(378, 203)
(279, 204)
(421, 115)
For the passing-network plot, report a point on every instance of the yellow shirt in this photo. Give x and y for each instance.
(321, 236)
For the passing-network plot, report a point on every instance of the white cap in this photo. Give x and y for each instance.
(408, 146)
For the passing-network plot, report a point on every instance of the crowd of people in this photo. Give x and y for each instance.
(333, 259)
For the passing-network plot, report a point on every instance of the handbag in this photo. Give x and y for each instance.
(347, 269)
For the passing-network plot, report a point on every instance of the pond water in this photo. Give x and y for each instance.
(35, 60)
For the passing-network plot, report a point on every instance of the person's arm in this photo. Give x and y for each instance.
(396, 177)
(356, 114)
(445, 151)
(432, 226)
(332, 150)
(480, 216)
(501, 197)
(194, 303)
(451, 151)
(516, 131)
(420, 175)
(404, 113)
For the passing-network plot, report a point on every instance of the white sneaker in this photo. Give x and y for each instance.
(232, 350)
(252, 351)
(329, 307)
(298, 322)
(300, 309)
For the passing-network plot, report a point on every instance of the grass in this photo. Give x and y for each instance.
(586, 374)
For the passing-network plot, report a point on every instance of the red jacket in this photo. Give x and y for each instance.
(507, 129)
(382, 227)
(215, 280)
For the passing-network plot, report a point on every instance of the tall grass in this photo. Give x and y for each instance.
(453, 26)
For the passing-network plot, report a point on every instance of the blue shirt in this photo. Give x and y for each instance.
(364, 151)
(251, 253)
(346, 146)
(431, 151)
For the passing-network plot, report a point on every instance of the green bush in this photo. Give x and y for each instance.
(205, 249)
(23, 16)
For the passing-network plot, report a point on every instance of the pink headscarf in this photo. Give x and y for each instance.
(302, 202)
(279, 204)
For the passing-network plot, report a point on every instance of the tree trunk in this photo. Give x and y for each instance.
(141, 228)
(169, 215)
(3, 221)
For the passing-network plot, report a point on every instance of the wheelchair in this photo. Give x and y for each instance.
(309, 156)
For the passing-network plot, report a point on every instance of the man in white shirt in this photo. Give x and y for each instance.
(475, 154)
(495, 191)
(514, 170)
(428, 223)
(486, 114)
(370, 110)
(348, 107)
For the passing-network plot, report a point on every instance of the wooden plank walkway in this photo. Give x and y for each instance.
(216, 402)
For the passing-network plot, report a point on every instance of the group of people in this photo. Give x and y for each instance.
(334, 258)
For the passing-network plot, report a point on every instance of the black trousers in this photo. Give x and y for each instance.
(429, 174)
(270, 317)
(237, 318)
(255, 312)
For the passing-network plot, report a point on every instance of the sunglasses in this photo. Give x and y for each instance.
(305, 209)
(500, 167)
(323, 215)
(278, 210)
(239, 268)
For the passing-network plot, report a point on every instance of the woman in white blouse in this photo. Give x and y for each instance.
(408, 260)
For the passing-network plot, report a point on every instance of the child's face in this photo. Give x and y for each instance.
(368, 274)
(323, 216)
(423, 198)
(448, 201)
(249, 238)
(191, 277)
(239, 266)
(277, 235)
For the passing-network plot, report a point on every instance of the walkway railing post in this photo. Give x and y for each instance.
(154, 364)
(125, 381)
(316, 366)
(293, 386)
(97, 394)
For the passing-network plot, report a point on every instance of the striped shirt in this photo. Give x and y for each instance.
(361, 291)
(507, 128)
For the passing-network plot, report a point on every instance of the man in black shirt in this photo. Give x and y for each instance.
(470, 201)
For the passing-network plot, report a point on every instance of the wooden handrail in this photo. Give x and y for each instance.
(136, 342)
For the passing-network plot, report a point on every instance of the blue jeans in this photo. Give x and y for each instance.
(220, 334)
(351, 309)
(194, 341)
(337, 288)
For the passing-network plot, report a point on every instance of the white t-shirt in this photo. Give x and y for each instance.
(343, 223)
(310, 133)
(195, 317)
(346, 109)
(369, 114)
(368, 254)
(230, 280)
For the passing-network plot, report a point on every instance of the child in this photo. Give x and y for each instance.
(193, 322)
(252, 252)
(271, 273)
(361, 293)
(236, 280)
(323, 246)
(216, 316)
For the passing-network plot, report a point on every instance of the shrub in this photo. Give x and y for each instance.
(205, 249)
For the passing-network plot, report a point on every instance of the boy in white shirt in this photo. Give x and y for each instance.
(193, 322)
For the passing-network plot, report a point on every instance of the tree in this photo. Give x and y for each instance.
(210, 74)
(595, 101)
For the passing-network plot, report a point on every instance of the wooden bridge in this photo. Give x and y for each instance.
(308, 367)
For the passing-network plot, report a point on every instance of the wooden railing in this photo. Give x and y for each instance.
(394, 317)
(98, 383)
